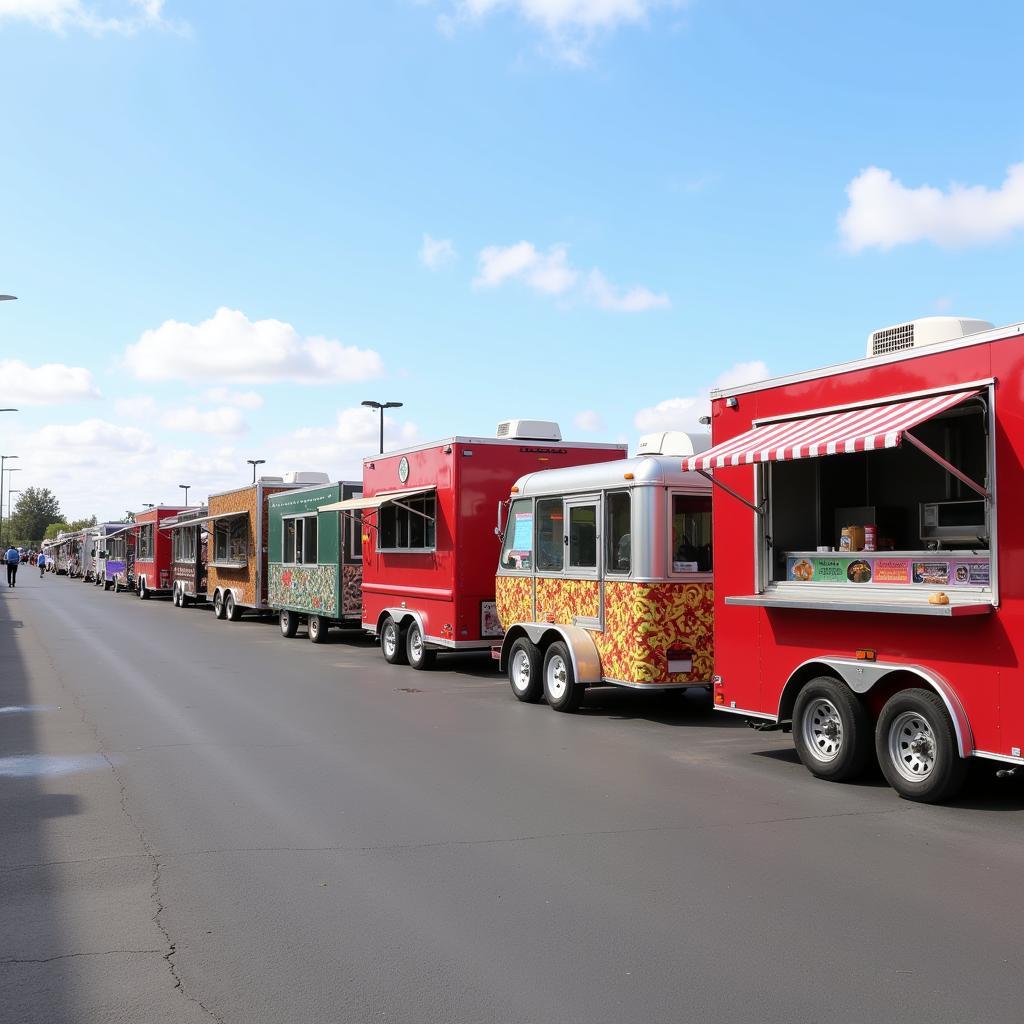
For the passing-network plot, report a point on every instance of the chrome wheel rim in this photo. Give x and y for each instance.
(823, 730)
(389, 640)
(557, 676)
(520, 671)
(912, 746)
(218, 604)
(284, 622)
(415, 644)
(314, 627)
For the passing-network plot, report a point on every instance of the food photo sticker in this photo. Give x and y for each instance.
(859, 571)
(932, 574)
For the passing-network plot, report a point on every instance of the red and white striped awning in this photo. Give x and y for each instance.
(827, 433)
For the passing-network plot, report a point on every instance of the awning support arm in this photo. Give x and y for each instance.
(361, 521)
(409, 508)
(947, 466)
(759, 509)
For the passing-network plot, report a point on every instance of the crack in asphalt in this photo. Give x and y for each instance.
(69, 956)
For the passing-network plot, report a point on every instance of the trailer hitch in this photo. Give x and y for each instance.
(1007, 773)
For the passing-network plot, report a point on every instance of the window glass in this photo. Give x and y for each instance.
(354, 525)
(582, 536)
(517, 548)
(231, 539)
(691, 533)
(617, 532)
(409, 526)
(288, 556)
(309, 540)
(549, 534)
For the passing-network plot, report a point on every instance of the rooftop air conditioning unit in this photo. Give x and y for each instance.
(529, 430)
(305, 476)
(928, 330)
(676, 443)
(271, 480)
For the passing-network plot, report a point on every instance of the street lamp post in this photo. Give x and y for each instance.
(3, 459)
(11, 492)
(254, 463)
(382, 406)
(185, 488)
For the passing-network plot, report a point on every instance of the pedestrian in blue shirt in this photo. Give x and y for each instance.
(41, 562)
(13, 559)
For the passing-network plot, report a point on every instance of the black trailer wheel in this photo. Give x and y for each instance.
(417, 653)
(561, 690)
(218, 604)
(917, 747)
(831, 730)
(289, 623)
(316, 626)
(107, 584)
(183, 599)
(526, 671)
(231, 609)
(391, 642)
(143, 589)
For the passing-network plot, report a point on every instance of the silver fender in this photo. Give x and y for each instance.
(586, 662)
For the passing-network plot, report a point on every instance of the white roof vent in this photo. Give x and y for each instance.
(676, 443)
(529, 430)
(304, 476)
(271, 480)
(928, 330)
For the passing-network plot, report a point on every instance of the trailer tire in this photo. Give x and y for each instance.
(526, 671)
(143, 590)
(831, 730)
(289, 624)
(218, 604)
(316, 627)
(231, 610)
(107, 584)
(417, 653)
(561, 690)
(917, 747)
(392, 643)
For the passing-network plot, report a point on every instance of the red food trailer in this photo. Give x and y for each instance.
(869, 594)
(429, 516)
(153, 566)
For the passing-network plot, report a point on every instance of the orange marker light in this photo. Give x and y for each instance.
(515, 490)
(627, 476)
(865, 654)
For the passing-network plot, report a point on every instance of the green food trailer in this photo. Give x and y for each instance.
(315, 560)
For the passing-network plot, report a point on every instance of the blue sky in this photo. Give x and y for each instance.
(623, 201)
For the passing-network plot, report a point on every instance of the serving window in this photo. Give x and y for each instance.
(183, 544)
(144, 549)
(901, 517)
(298, 540)
(408, 525)
(231, 541)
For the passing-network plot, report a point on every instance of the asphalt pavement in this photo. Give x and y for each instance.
(201, 820)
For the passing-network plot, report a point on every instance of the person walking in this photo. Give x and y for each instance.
(13, 559)
(41, 562)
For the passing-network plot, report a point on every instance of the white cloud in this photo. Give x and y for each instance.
(684, 413)
(339, 449)
(605, 295)
(241, 399)
(884, 212)
(588, 421)
(436, 253)
(129, 17)
(231, 347)
(48, 384)
(136, 407)
(551, 274)
(571, 26)
(224, 420)
(92, 434)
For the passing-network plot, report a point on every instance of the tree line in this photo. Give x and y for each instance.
(37, 517)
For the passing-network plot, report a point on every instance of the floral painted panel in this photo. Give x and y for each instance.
(562, 601)
(514, 598)
(305, 588)
(644, 620)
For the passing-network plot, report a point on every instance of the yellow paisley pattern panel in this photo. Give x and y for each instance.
(514, 599)
(562, 601)
(643, 621)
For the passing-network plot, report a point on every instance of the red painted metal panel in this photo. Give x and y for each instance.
(158, 569)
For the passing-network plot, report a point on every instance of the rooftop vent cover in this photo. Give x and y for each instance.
(928, 330)
(529, 430)
(676, 443)
(305, 476)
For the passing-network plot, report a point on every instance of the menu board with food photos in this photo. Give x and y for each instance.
(928, 571)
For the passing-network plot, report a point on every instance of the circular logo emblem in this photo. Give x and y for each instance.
(403, 469)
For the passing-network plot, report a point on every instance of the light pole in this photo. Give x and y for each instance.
(254, 463)
(382, 406)
(7, 298)
(3, 459)
(185, 488)
(11, 492)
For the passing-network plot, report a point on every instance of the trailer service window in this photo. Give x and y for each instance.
(145, 545)
(408, 526)
(231, 540)
(299, 541)
(183, 545)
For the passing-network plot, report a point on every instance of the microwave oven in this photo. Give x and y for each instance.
(955, 522)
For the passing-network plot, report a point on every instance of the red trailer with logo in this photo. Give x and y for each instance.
(153, 566)
(430, 516)
(869, 566)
